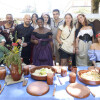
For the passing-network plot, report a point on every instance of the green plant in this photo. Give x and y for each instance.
(3, 50)
(13, 57)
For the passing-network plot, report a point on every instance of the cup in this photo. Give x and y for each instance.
(26, 70)
(72, 77)
(50, 78)
(2, 73)
(74, 69)
(63, 71)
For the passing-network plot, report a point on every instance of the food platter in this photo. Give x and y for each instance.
(92, 68)
(86, 81)
(40, 77)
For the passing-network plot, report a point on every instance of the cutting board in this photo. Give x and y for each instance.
(38, 88)
(78, 90)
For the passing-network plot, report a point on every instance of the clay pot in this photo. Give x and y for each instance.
(72, 77)
(63, 71)
(31, 67)
(2, 73)
(14, 73)
(26, 70)
(50, 78)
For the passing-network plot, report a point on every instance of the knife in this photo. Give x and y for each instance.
(90, 90)
(59, 80)
(2, 88)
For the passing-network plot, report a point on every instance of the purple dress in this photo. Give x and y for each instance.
(42, 52)
(94, 55)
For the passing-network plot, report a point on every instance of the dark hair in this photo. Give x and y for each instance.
(49, 19)
(9, 15)
(96, 40)
(56, 10)
(85, 20)
(33, 15)
(40, 19)
(71, 24)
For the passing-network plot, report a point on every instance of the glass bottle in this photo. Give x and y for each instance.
(74, 69)
(69, 63)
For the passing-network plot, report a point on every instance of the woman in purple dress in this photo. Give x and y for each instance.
(94, 52)
(42, 38)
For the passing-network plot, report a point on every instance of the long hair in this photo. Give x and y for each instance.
(49, 19)
(85, 21)
(33, 15)
(71, 24)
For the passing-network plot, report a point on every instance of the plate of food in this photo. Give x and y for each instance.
(40, 72)
(90, 77)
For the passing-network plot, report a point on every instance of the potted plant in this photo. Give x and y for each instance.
(13, 61)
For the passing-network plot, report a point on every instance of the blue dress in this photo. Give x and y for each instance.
(94, 55)
(42, 52)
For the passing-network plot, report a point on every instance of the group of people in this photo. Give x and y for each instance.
(47, 39)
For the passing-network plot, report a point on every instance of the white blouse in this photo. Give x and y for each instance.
(47, 26)
(67, 37)
(88, 31)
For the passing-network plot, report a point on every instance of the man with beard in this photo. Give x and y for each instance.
(24, 35)
(7, 30)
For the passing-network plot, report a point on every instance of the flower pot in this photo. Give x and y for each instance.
(15, 73)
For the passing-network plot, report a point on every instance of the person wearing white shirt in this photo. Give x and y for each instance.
(83, 41)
